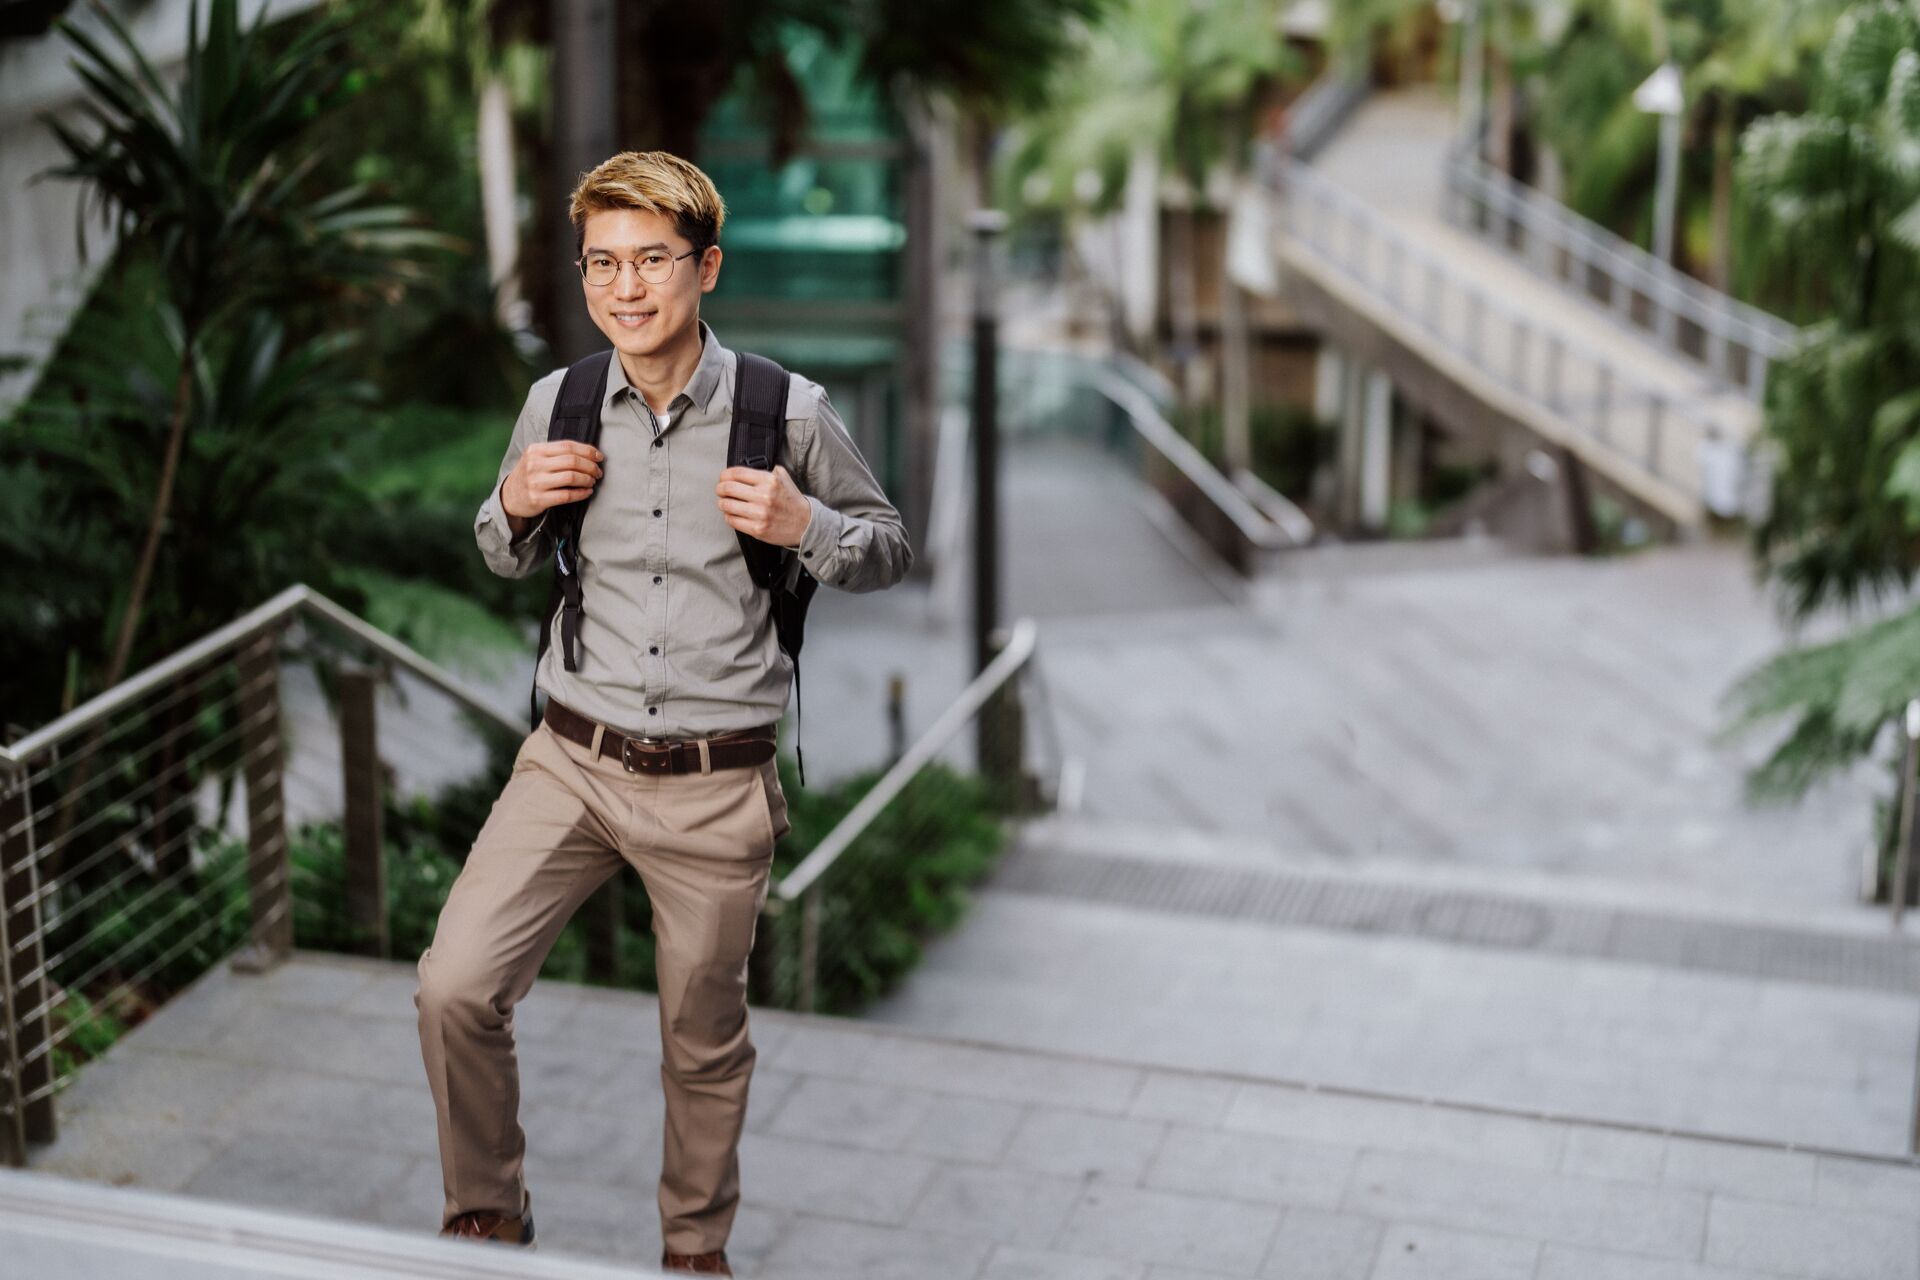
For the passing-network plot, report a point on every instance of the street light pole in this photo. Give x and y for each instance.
(1661, 94)
(997, 745)
(987, 225)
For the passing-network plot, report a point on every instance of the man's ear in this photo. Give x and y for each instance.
(710, 268)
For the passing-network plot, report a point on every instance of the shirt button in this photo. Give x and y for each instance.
(657, 443)
(653, 648)
(656, 511)
(653, 711)
(656, 579)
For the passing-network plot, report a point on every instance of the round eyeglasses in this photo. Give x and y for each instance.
(655, 266)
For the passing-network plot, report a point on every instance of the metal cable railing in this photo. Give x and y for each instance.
(1734, 340)
(1649, 434)
(144, 836)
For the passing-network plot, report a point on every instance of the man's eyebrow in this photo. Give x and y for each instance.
(657, 244)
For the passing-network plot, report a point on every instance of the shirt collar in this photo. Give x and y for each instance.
(707, 375)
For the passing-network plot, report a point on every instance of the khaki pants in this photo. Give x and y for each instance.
(564, 823)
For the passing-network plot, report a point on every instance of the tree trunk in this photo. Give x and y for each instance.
(1720, 269)
(1183, 302)
(498, 200)
(156, 523)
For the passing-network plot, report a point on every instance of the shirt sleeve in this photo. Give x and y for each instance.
(506, 555)
(855, 539)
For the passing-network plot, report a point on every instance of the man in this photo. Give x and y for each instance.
(677, 644)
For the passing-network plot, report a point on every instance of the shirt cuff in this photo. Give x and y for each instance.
(507, 554)
(822, 537)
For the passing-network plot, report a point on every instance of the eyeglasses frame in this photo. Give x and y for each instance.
(581, 263)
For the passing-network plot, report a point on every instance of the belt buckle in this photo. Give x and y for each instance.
(627, 761)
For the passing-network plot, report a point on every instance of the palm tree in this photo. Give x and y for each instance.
(1736, 57)
(1836, 195)
(1161, 86)
(208, 175)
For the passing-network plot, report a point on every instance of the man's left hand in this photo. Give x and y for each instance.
(764, 504)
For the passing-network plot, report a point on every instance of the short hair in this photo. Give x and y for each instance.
(657, 181)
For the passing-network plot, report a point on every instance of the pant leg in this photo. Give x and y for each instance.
(543, 850)
(704, 849)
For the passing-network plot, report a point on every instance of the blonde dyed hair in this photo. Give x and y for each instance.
(656, 181)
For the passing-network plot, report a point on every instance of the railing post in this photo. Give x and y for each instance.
(809, 965)
(1656, 423)
(28, 1034)
(1518, 358)
(366, 872)
(269, 875)
(1556, 357)
(1603, 403)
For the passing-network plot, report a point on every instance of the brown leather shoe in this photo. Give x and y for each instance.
(490, 1224)
(698, 1264)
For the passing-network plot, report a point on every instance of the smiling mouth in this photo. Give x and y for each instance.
(632, 319)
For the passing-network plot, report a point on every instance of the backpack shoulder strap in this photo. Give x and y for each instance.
(575, 416)
(759, 433)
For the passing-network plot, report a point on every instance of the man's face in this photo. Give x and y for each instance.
(639, 317)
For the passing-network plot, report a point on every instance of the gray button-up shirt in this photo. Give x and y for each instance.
(676, 640)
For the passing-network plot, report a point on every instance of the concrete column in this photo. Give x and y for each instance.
(1376, 449)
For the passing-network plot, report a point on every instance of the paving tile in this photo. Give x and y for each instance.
(1594, 1151)
(816, 1248)
(1081, 1144)
(1251, 1166)
(1753, 1173)
(310, 980)
(829, 1047)
(860, 1113)
(975, 1129)
(1009, 1075)
(1013, 1262)
(625, 1022)
(554, 1067)
(614, 1145)
(768, 1091)
(305, 1177)
(1410, 1251)
(338, 1109)
(1011, 1206)
(1190, 1099)
(122, 1150)
(1390, 1125)
(1323, 1244)
(315, 1039)
(1659, 1221)
(187, 1089)
(1867, 1185)
(1570, 1262)
(818, 1177)
(1824, 1243)
(1168, 1227)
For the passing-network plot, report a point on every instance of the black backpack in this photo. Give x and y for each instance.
(759, 432)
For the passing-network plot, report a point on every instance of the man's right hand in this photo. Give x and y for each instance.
(548, 474)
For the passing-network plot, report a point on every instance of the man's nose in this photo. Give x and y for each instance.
(627, 283)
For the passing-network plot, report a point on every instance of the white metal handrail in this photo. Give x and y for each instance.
(1567, 246)
(1011, 659)
(300, 599)
(1625, 415)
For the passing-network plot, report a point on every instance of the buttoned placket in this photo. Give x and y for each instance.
(653, 663)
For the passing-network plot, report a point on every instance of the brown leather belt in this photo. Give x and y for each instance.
(733, 750)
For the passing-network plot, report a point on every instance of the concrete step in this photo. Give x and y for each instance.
(886, 1151)
(1576, 997)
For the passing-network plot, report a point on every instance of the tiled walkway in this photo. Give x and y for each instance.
(875, 1152)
